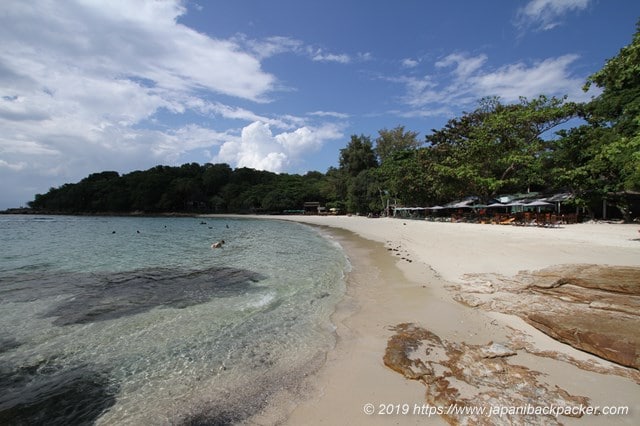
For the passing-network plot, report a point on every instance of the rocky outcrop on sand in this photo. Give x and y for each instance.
(468, 382)
(593, 308)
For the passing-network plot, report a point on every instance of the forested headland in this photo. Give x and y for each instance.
(546, 144)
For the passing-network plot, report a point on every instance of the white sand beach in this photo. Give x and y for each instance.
(453, 250)
(402, 273)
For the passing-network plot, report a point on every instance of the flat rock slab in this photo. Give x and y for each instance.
(593, 308)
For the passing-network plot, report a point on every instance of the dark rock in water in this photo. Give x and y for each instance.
(223, 418)
(235, 408)
(46, 394)
(7, 344)
(99, 297)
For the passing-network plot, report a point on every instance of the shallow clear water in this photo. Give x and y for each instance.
(121, 320)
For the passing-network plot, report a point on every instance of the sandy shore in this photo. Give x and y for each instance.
(401, 273)
(456, 249)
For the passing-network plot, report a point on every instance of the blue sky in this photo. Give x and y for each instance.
(280, 85)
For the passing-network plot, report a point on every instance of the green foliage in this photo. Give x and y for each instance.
(358, 155)
(619, 104)
(395, 140)
(497, 148)
(215, 177)
(364, 190)
(410, 176)
(568, 164)
(613, 136)
(192, 188)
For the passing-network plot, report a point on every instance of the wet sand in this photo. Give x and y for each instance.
(402, 273)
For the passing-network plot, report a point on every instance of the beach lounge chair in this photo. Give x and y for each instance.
(508, 221)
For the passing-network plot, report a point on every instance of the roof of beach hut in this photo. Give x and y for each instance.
(539, 203)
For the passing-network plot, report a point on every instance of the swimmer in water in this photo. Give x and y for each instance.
(217, 244)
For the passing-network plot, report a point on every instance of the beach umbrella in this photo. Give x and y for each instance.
(515, 204)
(462, 205)
(495, 205)
(538, 203)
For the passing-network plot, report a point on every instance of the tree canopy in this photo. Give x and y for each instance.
(498, 148)
(601, 159)
(358, 155)
(395, 140)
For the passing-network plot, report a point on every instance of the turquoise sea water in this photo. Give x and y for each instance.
(122, 320)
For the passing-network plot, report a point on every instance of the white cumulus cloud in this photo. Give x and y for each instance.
(258, 148)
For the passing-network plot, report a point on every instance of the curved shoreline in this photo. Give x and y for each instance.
(385, 290)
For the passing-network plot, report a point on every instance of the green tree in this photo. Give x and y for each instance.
(497, 147)
(184, 194)
(615, 119)
(395, 140)
(568, 163)
(619, 103)
(364, 193)
(409, 177)
(335, 187)
(350, 180)
(358, 155)
(215, 176)
(147, 188)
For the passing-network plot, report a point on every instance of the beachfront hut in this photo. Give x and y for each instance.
(538, 203)
(312, 207)
(558, 199)
(498, 205)
(467, 203)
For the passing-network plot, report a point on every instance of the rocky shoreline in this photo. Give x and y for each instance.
(473, 380)
(594, 308)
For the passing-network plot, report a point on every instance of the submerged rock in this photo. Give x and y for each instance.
(106, 296)
(47, 393)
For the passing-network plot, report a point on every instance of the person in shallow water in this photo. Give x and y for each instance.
(217, 244)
